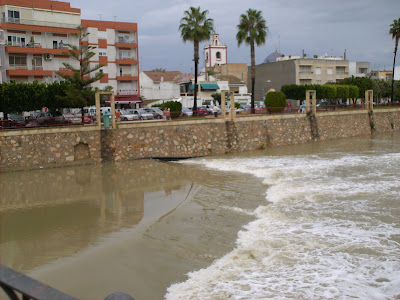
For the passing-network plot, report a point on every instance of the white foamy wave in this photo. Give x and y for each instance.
(326, 233)
(306, 257)
(313, 178)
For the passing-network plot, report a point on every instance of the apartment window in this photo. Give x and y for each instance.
(305, 69)
(318, 71)
(16, 40)
(124, 54)
(17, 62)
(329, 71)
(102, 35)
(37, 63)
(305, 81)
(123, 38)
(340, 70)
(102, 53)
(13, 16)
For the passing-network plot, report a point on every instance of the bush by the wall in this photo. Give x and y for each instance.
(174, 106)
(275, 101)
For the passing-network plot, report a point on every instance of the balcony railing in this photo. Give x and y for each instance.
(341, 73)
(125, 41)
(37, 23)
(35, 45)
(128, 92)
(18, 67)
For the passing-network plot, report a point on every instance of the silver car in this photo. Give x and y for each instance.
(129, 115)
(157, 113)
(143, 115)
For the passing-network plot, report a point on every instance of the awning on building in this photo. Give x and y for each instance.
(126, 100)
(206, 86)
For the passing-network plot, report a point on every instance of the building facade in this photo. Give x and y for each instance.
(289, 70)
(359, 69)
(383, 74)
(37, 34)
(160, 85)
(215, 53)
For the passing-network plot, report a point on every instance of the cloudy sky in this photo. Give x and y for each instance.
(317, 26)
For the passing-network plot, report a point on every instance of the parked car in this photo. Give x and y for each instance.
(155, 111)
(39, 119)
(202, 111)
(129, 115)
(143, 115)
(186, 112)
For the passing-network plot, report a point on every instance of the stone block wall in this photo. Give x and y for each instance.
(386, 120)
(169, 139)
(44, 148)
(37, 148)
(340, 125)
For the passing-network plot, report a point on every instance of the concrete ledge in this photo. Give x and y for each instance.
(47, 130)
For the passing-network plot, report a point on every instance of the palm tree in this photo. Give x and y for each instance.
(252, 29)
(197, 28)
(395, 32)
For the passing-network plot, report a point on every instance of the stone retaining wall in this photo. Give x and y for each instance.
(346, 124)
(53, 147)
(386, 120)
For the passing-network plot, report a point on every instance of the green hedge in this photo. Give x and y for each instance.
(324, 91)
(275, 101)
(174, 106)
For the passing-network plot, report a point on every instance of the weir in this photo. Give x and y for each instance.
(78, 145)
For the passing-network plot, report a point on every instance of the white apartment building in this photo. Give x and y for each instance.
(37, 32)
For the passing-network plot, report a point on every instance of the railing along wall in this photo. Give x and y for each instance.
(20, 286)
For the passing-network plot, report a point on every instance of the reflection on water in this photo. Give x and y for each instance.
(48, 214)
(147, 223)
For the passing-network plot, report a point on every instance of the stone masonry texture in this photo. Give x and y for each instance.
(44, 148)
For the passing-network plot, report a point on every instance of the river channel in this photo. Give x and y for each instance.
(312, 221)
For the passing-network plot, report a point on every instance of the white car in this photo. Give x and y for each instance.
(129, 115)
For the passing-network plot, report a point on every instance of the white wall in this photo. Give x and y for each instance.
(157, 90)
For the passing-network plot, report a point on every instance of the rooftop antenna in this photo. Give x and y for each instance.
(100, 16)
(279, 43)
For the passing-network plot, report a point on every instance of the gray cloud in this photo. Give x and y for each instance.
(317, 26)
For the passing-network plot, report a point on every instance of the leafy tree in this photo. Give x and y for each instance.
(395, 33)
(79, 93)
(55, 93)
(216, 97)
(252, 29)
(197, 28)
(382, 89)
(363, 84)
(158, 70)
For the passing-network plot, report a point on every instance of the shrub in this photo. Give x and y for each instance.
(237, 105)
(275, 101)
(175, 108)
